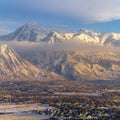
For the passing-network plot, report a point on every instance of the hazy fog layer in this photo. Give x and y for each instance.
(28, 47)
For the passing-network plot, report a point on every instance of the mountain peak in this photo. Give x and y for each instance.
(89, 32)
(33, 25)
(3, 48)
(28, 32)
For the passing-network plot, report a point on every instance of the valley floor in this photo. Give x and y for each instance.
(69, 100)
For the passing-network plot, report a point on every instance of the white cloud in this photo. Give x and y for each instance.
(86, 10)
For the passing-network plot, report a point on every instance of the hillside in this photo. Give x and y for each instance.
(79, 65)
(12, 66)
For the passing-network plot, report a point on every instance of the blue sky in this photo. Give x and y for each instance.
(99, 15)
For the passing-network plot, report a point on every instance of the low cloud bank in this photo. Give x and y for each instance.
(29, 47)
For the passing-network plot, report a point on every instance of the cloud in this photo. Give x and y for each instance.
(84, 10)
(30, 48)
(88, 11)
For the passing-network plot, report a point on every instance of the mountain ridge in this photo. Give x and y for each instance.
(34, 32)
(79, 65)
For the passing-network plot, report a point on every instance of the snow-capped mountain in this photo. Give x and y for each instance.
(111, 38)
(54, 37)
(28, 32)
(35, 33)
(88, 36)
(85, 36)
(72, 64)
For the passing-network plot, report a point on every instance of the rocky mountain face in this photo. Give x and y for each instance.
(12, 66)
(80, 65)
(36, 33)
(99, 66)
(74, 65)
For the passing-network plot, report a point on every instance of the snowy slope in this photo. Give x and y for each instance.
(35, 33)
(27, 32)
(111, 38)
(85, 36)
